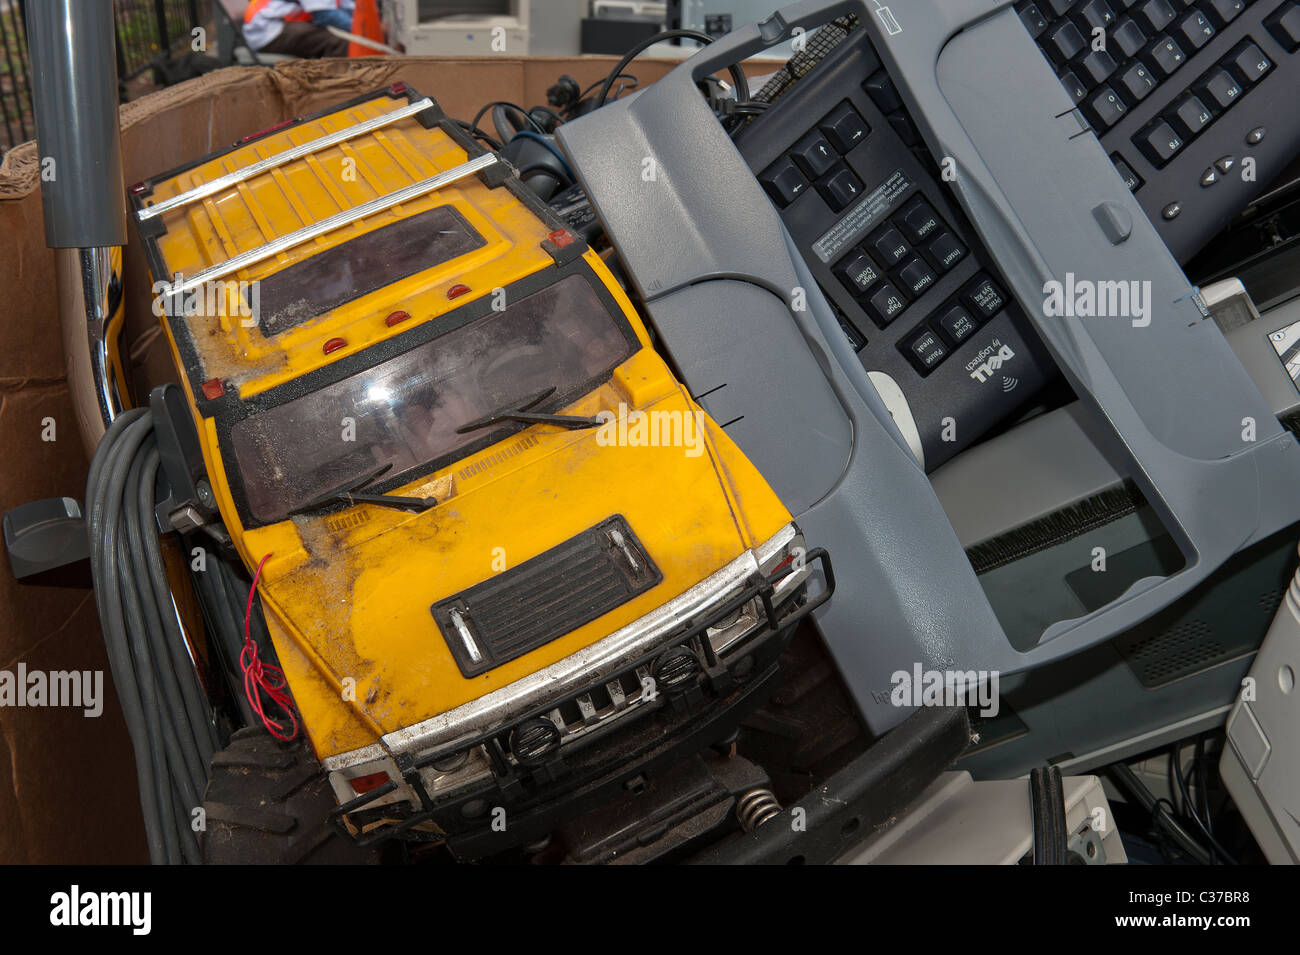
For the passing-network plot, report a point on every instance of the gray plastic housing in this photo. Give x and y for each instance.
(723, 285)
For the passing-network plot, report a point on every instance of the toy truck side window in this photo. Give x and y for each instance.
(404, 411)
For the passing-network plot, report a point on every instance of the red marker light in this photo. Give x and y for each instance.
(561, 238)
(263, 132)
(139, 188)
(456, 291)
(213, 389)
(364, 784)
(397, 89)
(333, 345)
(395, 318)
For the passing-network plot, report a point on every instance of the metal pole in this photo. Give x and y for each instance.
(74, 92)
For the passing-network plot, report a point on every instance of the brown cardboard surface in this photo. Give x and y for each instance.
(67, 783)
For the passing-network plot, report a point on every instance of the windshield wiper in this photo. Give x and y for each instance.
(351, 493)
(520, 412)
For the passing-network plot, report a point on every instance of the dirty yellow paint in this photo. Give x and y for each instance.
(348, 594)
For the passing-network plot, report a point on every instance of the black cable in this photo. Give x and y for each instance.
(1166, 820)
(172, 728)
(1175, 759)
(479, 134)
(737, 75)
(583, 95)
(121, 439)
(515, 106)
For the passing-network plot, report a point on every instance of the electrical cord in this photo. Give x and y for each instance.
(737, 75)
(477, 133)
(1175, 759)
(514, 106)
(172, 728)
(1164, 821)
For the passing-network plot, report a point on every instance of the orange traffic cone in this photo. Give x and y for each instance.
(366, 23)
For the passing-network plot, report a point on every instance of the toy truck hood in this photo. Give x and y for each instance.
(353, 594)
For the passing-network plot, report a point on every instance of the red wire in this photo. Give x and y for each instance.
(262, 677)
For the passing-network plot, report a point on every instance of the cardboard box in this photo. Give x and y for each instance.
(67, 782)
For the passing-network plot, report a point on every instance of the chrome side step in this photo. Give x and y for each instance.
(285, 242)
(279, 159)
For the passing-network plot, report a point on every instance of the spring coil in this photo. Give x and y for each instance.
(756, 807)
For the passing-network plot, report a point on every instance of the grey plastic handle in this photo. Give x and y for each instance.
(1169, 398)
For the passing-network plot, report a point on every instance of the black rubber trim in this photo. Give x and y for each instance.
(1047, 801)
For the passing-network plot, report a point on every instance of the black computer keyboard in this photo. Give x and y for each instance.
(1194, 101)
(917, 297)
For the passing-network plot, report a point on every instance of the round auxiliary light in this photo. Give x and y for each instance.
(677, 667)
(533, 740)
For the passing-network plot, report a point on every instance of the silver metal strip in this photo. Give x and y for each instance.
(347, 216)
(601, 660)
(279, 159)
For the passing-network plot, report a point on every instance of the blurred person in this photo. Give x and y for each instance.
(298, 27)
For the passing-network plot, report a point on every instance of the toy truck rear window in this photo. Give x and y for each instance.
(405, 410)
(361, 265)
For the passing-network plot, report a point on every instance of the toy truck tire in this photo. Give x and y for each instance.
(269, 803)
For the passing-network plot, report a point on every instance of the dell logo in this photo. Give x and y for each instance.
(985, 369)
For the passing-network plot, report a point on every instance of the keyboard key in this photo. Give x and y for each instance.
(1154, 15)
(845, 128)
(918, 220)
(1166, 56)
(1158, 142)
(881, 90)
(887, 303)
(840, 188)
(814, 155)
(984, 298)
(902, 125)
(1194, 30)
(1095, 67)
(916, 276)
(1033, 19)
(1249, 63)
(945, 251)
(1217, 89)
(1096, 14)
(957, 325)
(1105, 108)
(925, 349)
(890, 247)
(857, 272)
(1057, 7)
(1136, 83)
(1131, 179)
(1224, 12)
(1190, 116)
(1127, 39)
(1284, 24)
(857, 340)
(1072, 86)
(1063, 42)
(783, 181)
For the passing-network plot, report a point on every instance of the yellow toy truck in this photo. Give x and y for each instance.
(507, 564)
